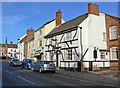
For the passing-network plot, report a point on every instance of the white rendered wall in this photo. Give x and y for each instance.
(92, 35)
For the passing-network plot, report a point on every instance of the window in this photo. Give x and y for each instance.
(113, 32)
(50, 41)
(102, 54)
(40, 32)
(69, 54)
(40, 43)
(114, 53)
(104, 36)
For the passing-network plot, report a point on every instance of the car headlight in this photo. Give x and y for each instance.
(45, 65)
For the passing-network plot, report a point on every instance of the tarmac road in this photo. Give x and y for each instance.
(17, 77)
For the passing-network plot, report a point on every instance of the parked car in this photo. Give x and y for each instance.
(42, 66)
(15, 62)
(27, 63)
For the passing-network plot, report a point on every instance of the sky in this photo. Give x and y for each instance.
(17, 17)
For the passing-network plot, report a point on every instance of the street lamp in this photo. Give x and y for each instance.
(19, 47)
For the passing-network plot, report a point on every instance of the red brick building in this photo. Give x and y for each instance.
(112, 28)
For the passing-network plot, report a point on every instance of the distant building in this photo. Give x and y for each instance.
(23, 44)
(9, 50)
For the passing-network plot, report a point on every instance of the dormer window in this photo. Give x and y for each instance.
(113, 32)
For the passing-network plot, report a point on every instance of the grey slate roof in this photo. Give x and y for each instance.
(67, 25)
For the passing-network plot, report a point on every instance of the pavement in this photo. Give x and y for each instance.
(90, 76)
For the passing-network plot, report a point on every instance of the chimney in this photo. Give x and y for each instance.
(58, 18)
(93, 9)
(30, 33)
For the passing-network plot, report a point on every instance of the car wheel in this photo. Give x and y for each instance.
(40, 70)
(12, 64)
(22, 67)
(54, 72)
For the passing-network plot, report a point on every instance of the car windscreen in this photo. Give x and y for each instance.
(30, 61)
(48, 62)
(15, 60)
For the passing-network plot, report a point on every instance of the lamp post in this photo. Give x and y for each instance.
(19, 47)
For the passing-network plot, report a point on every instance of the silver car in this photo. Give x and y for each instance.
(15, 62)
(42, 66)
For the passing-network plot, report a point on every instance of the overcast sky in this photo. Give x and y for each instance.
(17, 17)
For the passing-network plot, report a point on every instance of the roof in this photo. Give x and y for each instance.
(114, 17)
(8, 45)
(12, 45)
(68, 25)
(23, 39)
(2, 45)
(45, 24)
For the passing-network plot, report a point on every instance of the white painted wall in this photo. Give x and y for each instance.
(21, 48)
(12, 51)
(92, 34)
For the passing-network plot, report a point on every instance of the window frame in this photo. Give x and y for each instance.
(102, 54)
(113, 32)
(113, 50)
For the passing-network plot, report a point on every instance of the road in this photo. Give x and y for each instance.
(15, 76)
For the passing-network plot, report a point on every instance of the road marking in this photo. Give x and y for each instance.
(85, 80)
(25, 80)
(9, 72)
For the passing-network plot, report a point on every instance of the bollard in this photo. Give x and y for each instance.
(90, 66)
(79, 66)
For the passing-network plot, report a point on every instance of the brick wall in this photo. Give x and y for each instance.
(114, 65)
(111, 21)
(58, 17)
(93, 9)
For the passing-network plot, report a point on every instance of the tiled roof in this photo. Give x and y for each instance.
(8, 45)
(67, 25)
(2, 45)
(12, 45)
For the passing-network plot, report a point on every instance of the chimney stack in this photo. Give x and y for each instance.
(30, 33)
(93, 9)
(58, 18)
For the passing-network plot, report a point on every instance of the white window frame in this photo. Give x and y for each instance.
(102, 54)
(114, 50)
(113, 32)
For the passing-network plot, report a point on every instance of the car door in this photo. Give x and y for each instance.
(35, 66)
(38, 65)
